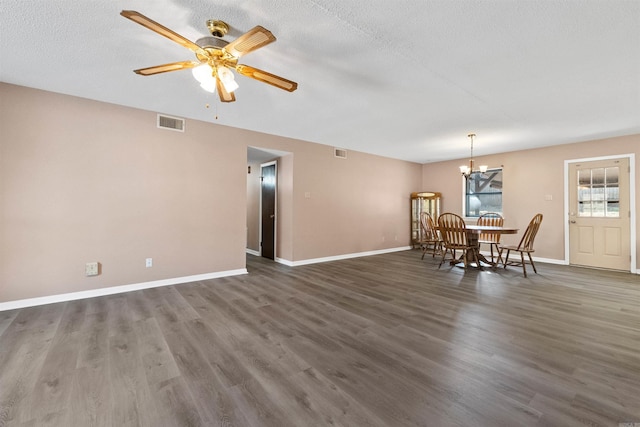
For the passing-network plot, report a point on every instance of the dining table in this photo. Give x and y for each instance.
(473, 234)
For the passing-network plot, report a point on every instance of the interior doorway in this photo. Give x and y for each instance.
(256, 158)
(599, 213)
(268, 192)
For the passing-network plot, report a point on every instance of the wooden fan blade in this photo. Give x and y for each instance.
(224, 95)
(164, 68)
(162, 30)
(263, 76)
(253, 39)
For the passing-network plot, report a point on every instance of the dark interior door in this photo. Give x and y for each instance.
(268, 190)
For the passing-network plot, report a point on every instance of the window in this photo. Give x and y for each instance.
(483, 193)
(598, 192)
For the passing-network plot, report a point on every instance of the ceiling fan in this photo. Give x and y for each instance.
(215, 58)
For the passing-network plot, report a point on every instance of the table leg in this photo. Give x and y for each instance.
(473, 242)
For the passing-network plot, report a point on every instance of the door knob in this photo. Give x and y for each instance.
(573, 221)
(273, 216)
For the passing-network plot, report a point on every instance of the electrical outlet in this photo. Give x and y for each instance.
(91, 268)
(148, 262)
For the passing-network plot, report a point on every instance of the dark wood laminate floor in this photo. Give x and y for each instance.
(387, 340)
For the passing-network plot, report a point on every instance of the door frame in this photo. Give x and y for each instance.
(632, 204)
(275, 209)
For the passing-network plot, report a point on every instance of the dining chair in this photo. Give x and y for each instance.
(492, 219)
(525, 246)
(453, 231)
(430, 238)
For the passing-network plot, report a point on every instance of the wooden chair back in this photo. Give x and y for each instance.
(428, 228)
(526, 243)
(494, 220)
(453, 230)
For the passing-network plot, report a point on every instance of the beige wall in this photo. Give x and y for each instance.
(357, 204)
(529, 176)
(87, 181)
(284, 209)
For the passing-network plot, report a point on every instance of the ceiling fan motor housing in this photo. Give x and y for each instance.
(211, 42)
(212, 45)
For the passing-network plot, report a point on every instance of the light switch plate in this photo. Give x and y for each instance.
(91, 268)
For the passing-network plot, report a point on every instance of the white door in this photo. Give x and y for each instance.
(599, 214)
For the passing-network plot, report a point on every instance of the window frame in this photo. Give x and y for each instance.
(464, 194)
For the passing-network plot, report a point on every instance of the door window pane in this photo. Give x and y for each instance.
(584, 177)
(598, 192)
(613, 209)
(584, 193)
(584, 208)
(597, 176)
(597, 209)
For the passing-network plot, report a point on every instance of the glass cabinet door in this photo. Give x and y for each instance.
(424, 201)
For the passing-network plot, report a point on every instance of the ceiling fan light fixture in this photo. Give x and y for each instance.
(230, 86)
(202, 73)
(227, 79)
(209, 86)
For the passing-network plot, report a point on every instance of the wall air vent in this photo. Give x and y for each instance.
(340, 153)
(171, 123)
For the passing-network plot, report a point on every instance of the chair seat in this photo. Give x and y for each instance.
(458, 246)
(516, 248)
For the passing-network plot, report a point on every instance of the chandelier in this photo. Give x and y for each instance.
(466, 171)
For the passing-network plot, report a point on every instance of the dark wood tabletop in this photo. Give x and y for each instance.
(491, 229)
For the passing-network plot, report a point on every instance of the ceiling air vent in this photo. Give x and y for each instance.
(340, 153)
(171, 123)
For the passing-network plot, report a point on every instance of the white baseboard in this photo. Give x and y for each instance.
(339, 257)
(31, 302)
(252, 252)
(535, 259)
(550, 261)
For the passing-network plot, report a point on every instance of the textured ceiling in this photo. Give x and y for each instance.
(403, 79)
